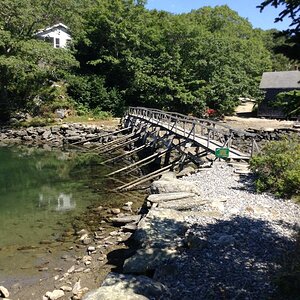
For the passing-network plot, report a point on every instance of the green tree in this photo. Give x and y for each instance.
(289, 102)
(288, 9)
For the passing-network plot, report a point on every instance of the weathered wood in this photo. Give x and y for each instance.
(202, 132)
(118, 146)
(128, 153)
(155, 155)
(144, 164)
(147, 177)
(116, 141)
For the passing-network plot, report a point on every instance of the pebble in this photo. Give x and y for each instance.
(56, 294)
(91, 248)
(236, 240)
(66, 288)
(4, 292)
(115, 211)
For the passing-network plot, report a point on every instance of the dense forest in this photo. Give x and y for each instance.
(123, 54)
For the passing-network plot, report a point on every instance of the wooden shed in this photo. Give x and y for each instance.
(273, 83)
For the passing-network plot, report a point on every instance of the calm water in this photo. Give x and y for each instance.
(40, 194)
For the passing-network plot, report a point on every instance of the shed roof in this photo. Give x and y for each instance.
(280, 80)
(55, 26)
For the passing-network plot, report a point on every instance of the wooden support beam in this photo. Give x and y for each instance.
(147, 177)
(116, 141)
(115, 147)
(128, 153)
(155, 155)
(146, 163)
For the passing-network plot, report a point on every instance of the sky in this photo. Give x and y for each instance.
(245, 8)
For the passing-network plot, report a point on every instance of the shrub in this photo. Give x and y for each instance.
(278, 167)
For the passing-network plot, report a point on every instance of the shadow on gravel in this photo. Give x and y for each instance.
(235, 259)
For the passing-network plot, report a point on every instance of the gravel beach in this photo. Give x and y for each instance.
(236, 241)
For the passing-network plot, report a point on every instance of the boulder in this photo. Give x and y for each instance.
(112, 293)
(168, 185)
(157, 198)
(183, 204)
(161, 228)
(147, 260)
(129, 287)
(125, 219)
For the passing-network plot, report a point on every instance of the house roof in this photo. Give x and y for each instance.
(280, 80)
(52, 27)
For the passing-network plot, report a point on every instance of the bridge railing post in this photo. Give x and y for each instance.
(208, 137)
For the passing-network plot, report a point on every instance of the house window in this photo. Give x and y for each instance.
(57, 43)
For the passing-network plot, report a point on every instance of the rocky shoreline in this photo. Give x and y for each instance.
(57, 135)
(206, 236)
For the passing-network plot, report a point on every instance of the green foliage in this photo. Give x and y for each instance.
(123, 55)
(273, 41)
(91, 94)
(209, 57)
(27, 73)
(278, 167)
(289, 102)
(288, 9)
(36, 122)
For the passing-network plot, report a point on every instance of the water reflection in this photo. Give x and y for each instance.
(65, 202)
(58, 200)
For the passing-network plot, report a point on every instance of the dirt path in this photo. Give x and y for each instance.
(256, 123)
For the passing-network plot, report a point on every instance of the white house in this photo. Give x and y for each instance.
(58, 35)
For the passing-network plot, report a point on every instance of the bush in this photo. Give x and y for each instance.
(91, 92)
(278, 167)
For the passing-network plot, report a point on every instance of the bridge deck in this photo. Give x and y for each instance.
(202, 141)
(184, 127)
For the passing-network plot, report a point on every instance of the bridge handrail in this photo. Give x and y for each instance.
(153, 113)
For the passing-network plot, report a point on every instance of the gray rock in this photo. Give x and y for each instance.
(147, 260)
(157, 198)
(126, 219)
(74, 138)
(115, 211)
(183, 204)
(119, 286)
(4, 292)
(46, 135)
(186, 171)
(61, 113)
(194, 241)
(111, 293)
(161, 228)
(175, 185)
(56, 294)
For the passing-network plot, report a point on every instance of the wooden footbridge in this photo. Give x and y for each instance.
(175, 138)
